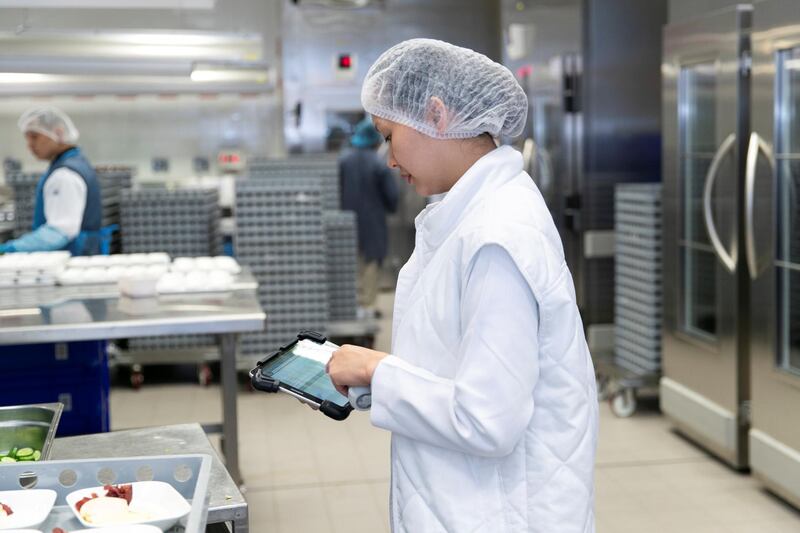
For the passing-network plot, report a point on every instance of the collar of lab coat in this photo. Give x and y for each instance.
(489, 173)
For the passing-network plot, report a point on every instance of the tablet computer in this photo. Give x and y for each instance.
(298, 369)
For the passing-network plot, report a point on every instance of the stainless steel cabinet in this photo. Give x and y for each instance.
(705, 126)
(772, 220)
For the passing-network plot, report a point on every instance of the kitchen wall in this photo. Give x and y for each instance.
(132, 128)
(314, 37)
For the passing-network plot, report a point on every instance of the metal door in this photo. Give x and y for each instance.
(773, 247)
(568, 172)
(705, 128)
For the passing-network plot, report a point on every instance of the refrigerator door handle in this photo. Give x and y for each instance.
(729, 260)
(756, 143)
(537, 162)
(530, 156)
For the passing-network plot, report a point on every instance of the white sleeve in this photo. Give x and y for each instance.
(65, 201)
(485, 409)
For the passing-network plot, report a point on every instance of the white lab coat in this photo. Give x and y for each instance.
(489, 392)
(65, 201)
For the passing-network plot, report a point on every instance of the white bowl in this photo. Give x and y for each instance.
(113, 273)
(156, 270)
(138, 271)
(171, 282)
(204, 263)
(79, 261)
(123, 528)
(95, 274)
(196, 281)
(137, 259)
(158, 258)
(156, 498)
(71, 276)
(138, 286)
(227, 263)
(30, 507)
(183, 264)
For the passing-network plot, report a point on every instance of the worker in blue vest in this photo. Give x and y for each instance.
(68, 210)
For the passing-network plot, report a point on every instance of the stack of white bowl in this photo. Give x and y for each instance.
(31, 269)
(199, 274)
(109, 269)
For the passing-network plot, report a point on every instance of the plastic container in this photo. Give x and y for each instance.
(187, 474)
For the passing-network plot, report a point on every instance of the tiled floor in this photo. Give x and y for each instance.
(305, 473)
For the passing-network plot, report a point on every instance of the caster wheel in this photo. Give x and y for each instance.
(137, 379)
(623, 403)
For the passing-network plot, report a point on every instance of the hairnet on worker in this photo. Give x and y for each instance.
(479, 95)
(49, 121)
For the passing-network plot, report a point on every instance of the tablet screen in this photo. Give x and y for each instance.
(302, 369)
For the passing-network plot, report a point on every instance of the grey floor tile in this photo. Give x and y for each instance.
(306, 473)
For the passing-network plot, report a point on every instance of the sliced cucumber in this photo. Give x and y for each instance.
(37, 455)
(8, 460)
(24, 452)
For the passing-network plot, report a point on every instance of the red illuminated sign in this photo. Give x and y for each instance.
(345, 61)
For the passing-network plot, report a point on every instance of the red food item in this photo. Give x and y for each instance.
(7, 509)
(112, 491)
(80, 502)
(120, 491)
(58, 530)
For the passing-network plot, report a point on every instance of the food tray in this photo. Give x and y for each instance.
(188, 474)
(31, 426)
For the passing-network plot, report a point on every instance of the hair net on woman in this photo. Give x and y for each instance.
(480, 96)
(49, 121)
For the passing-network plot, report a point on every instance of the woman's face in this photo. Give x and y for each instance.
(420, 159)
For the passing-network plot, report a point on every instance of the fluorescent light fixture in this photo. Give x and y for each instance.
(108, 4)
(230, 72)
(23, 77)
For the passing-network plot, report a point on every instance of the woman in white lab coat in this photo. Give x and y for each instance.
(489, 388)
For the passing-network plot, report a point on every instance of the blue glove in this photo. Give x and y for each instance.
(6, 248)
(44, 239)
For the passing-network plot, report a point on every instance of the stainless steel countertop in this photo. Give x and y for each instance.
(64, 314)
(226, 501)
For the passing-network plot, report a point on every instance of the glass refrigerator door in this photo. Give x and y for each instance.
(703, 137)
(697, 90)
(787, 256)
(772, 221)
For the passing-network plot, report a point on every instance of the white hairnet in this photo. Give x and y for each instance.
(480, 96)
(49, 121)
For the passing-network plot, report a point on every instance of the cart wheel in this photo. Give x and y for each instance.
(204, 375)
(623, 403)
(137, 378)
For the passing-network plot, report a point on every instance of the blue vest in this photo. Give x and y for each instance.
(88, 240)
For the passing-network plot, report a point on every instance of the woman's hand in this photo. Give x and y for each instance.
(353, 366)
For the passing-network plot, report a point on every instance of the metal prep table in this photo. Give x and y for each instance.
(79, 313)
(226, 503)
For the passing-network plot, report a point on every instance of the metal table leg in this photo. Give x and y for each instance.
(230, 428)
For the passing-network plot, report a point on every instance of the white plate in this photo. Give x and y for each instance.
(156, 498)
(30, 507)
(124, 528)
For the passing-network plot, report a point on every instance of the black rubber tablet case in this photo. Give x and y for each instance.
(267, 384)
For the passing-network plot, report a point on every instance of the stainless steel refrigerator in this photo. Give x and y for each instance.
(772, 246)
(553, 152)
(706, 84)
